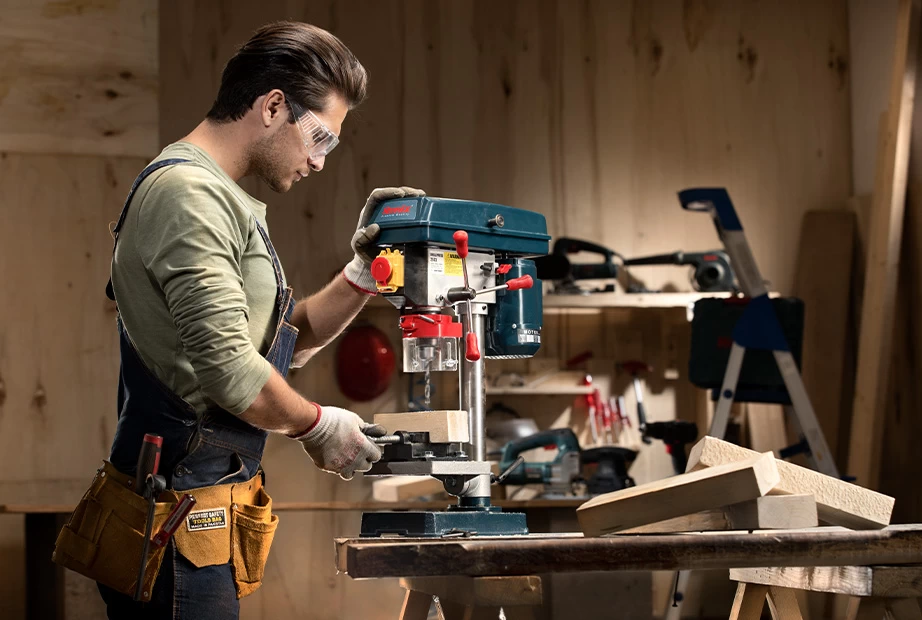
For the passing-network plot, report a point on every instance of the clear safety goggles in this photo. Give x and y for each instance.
(317, 138)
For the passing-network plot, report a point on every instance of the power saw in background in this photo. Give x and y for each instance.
(711, 271)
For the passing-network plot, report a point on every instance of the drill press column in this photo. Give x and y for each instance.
(473, 400)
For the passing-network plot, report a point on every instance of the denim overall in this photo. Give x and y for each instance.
(214, 448)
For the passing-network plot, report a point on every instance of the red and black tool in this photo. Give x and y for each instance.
(180, 511)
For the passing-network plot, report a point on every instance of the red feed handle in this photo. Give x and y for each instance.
(521, 282)
(460, 238)
(473, 352)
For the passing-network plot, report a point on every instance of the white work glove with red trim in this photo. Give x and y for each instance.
(358, 272)
(338, 442)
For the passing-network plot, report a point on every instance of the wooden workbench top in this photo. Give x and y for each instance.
(538, 553)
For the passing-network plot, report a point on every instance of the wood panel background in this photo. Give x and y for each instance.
(594, 113)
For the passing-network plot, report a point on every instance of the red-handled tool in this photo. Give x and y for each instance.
(148, 461)
(177, 515)
(472, 351)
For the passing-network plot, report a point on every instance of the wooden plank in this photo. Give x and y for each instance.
(876, 336)
(443, 426)
(748, 602)
(529, 555)
(704, 521)
(823, 280)
(782, 512)
(778, 512)
(783, 604)
(481, 591)
(678, 495)
(837, 502)
(415, 606)
(882, 581)
(79, 78)
(401, 488)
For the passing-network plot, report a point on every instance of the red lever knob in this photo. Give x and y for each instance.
(521, 282)
(460, 238)
(473, 352)
(381, 269)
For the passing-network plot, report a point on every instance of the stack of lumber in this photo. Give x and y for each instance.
(727, 487)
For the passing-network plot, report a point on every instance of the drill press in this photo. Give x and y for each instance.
(461, 275)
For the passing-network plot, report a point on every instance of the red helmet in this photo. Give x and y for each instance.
(364, 363)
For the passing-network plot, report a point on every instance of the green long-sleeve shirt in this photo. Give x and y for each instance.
(194, 282)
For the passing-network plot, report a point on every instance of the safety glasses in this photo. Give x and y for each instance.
(317, 138)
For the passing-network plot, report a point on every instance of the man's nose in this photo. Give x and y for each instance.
(316, 163)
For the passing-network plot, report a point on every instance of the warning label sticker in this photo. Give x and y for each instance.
(453, 264)
(213, 519)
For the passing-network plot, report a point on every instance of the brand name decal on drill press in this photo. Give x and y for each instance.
(399, 211)
(212, 519)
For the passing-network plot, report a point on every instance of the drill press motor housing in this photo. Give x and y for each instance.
(462, 277)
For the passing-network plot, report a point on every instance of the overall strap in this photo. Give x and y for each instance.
(276, 265)
(157, 165)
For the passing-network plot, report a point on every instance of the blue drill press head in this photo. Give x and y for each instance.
(504, 239)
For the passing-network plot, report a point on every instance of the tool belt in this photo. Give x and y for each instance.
(104, 537)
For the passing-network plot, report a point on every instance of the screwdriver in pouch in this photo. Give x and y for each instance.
(177, 515)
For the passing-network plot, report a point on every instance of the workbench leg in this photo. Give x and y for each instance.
(905, 609)
(783, 604)
(415, 606)
(748, 602)
(866, 608)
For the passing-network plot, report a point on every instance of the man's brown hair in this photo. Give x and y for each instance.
(305, 62)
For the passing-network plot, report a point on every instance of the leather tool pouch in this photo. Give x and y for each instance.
(230, 523)
(104, 537)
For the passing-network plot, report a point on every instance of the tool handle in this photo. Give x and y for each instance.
(148, 461)
(521, 282)
(180, 511)
(139, 592)
(472, 353)
(460, 238)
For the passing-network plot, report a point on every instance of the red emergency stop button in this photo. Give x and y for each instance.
(381, 269)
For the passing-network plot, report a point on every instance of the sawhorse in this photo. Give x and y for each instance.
(471, 598)
(876, 592)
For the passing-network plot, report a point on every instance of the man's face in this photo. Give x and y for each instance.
(282, 158)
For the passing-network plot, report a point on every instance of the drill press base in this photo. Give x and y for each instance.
(485, 521)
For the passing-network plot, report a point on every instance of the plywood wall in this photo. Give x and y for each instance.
(592, 112)
(78, 119)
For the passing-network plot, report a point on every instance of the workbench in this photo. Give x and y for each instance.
(423, 561)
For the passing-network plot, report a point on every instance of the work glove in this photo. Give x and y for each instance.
(339, 443)
(358, 272)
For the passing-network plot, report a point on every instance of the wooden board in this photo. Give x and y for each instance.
(529, 555)
(79, 77)
(773, 512)
(823, 281)
(782, 512)
(400, 488)
(837, 502)
(682, 494)
(442, 426)
(876, 336)
(884, 581)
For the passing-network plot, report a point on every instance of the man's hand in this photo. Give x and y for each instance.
(358, 272)
(338, 443)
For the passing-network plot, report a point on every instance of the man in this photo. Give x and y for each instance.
(208, 326)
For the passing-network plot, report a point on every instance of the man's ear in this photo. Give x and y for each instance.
(272, 106)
